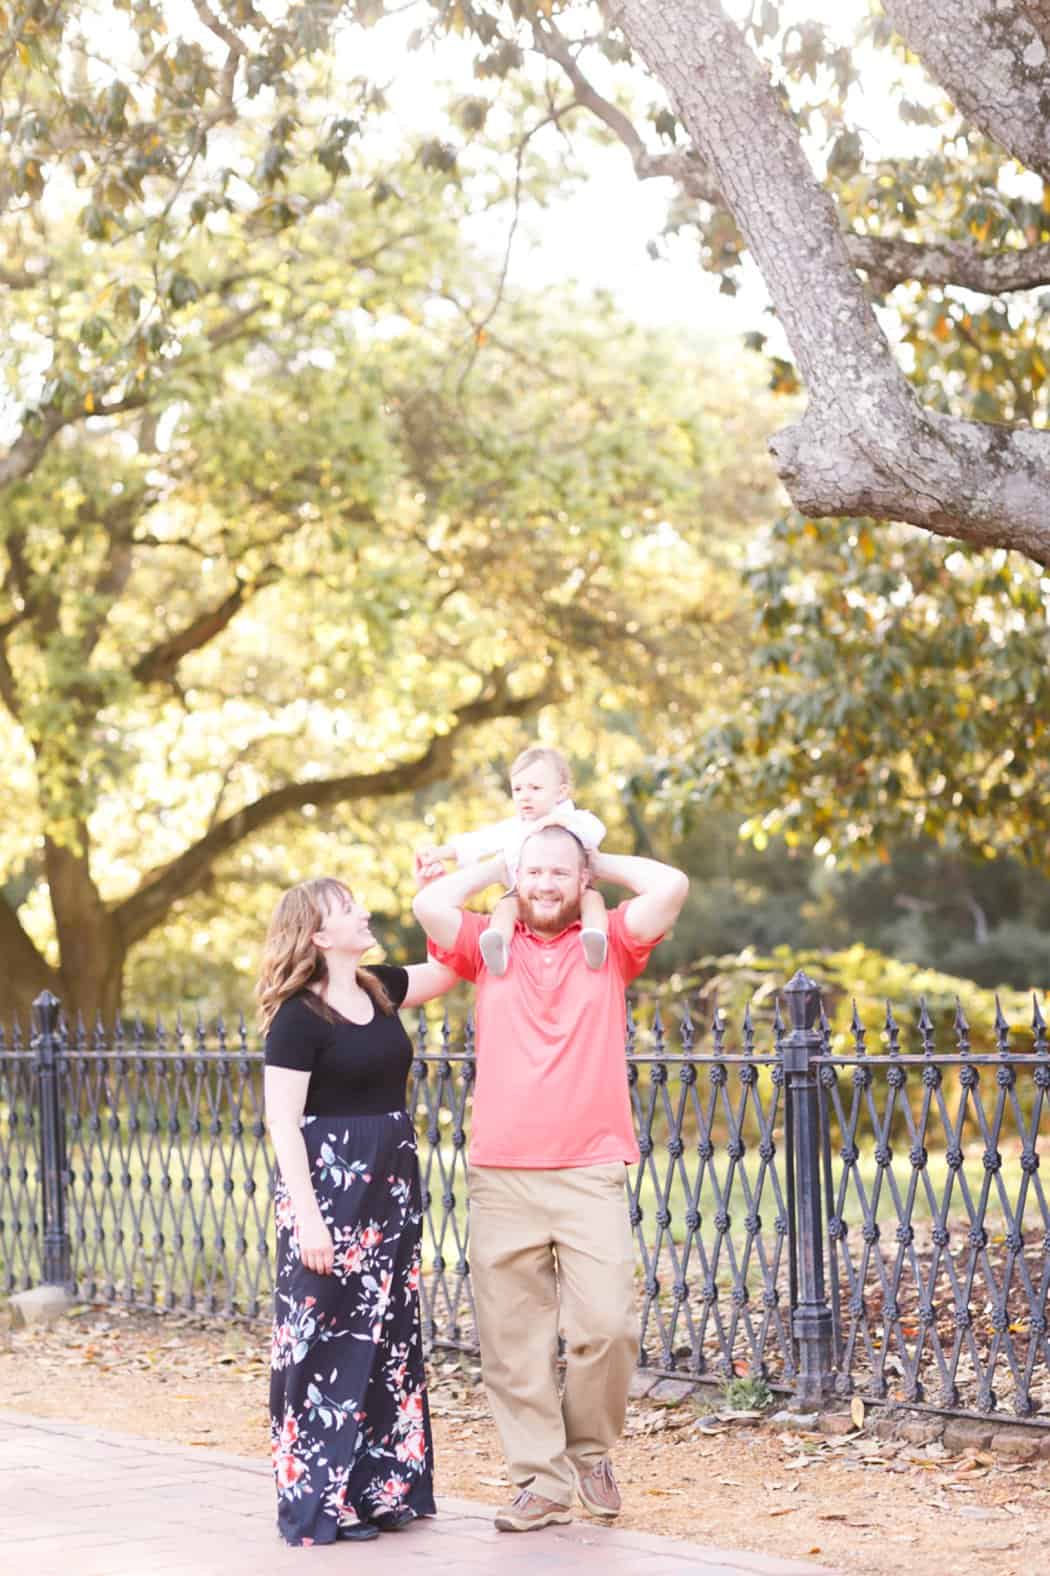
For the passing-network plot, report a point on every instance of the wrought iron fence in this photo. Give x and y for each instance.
(805, 1211)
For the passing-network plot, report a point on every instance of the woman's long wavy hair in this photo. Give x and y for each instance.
(292, 961)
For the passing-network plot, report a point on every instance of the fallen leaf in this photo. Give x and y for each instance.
(856, 1412)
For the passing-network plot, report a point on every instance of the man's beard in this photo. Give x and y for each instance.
(549, 921)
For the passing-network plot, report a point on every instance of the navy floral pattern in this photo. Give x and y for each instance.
(350, 1429)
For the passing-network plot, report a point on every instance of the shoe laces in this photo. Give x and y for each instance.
(604, 1472)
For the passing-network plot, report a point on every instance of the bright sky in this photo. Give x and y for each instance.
(598, 233)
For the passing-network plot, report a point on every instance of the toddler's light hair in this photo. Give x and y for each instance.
(543, 752)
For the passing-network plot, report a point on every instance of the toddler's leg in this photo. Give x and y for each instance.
(595, 928)
(495, 940)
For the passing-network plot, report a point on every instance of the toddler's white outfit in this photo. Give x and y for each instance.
(508, 837)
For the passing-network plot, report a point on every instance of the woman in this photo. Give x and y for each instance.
(350, 1428)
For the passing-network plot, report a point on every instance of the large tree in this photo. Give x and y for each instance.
(327, 543)
(188, 197)
(866, 444)
(755, 113)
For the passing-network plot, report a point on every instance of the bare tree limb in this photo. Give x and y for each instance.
(992, 61)
(23, 278)
(888, 262)
(29, 448)
(159, 665)
(118, 521)
(865, 444)
(1038, 13)
(137, 915)
(682, 167)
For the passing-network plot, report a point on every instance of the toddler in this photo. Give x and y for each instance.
(540, 785)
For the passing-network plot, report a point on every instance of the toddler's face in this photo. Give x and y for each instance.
(536, 789)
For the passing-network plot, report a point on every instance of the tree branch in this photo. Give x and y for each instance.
(969, 480)
(1038, 13)
(888, 262)
(233, 326)
(885, 260)
(22, 967)
(217, 26)
(23, 278)
(685, 168)
(29, 448)
(159, 665)
(137, 915)
(991, 60)
(865, 444)
(8, 683)
(118, 522)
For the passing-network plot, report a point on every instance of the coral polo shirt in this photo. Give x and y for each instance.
(551, 1085)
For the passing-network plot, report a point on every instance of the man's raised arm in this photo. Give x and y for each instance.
(661, 890)
(439, 905)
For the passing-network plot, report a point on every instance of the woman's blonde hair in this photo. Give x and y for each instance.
(293, 962)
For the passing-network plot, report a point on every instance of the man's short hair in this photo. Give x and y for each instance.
(560, 831)
(542, 752)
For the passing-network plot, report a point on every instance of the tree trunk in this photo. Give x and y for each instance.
(865, 445)
(990, 58)
(24, 973)
(90, 943)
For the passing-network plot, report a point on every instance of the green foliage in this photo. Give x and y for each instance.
(901, 691)
(746, 1395)
(853, 977)
(362, 486)
(296, 478)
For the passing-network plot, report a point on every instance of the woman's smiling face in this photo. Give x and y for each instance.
(346, 926)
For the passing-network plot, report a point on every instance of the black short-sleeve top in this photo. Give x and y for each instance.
(356, 1069)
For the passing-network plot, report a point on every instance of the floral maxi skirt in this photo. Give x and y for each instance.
(350, 1429)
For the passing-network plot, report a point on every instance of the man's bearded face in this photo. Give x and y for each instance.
(552, 877)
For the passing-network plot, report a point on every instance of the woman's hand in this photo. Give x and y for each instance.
(316, 1248)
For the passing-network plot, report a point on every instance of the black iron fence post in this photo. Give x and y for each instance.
(46, 1049)
(810, 1313)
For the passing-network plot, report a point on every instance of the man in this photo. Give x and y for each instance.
(550, 1239)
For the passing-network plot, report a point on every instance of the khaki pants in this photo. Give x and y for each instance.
(550, 1250)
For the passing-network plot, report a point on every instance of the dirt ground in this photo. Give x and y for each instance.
(855, 1504)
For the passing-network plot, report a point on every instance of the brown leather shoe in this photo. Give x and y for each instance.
(527, 1511)
(598, 1490)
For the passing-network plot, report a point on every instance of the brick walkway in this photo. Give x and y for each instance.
(78, 1502)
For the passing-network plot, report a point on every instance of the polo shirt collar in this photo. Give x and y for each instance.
(546, 941)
